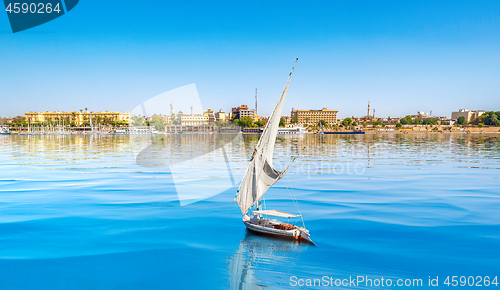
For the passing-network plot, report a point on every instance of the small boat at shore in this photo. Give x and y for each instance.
(137, 130)
(292, 130)
(4, 130)
(260, 176)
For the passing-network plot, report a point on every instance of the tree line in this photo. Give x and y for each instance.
(487, 118)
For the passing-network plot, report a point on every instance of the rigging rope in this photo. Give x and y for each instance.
(294, 199)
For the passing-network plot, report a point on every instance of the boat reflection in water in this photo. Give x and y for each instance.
(271, 258)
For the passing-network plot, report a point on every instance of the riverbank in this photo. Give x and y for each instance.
(422, 129)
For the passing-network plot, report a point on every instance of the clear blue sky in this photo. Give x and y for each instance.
(403, 56)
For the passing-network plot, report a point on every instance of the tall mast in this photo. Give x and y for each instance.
(256, 101)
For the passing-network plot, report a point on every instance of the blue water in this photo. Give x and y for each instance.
(78, 212)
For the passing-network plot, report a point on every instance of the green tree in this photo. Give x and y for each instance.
(294, 120)
(283, 121)
(18, 119)
(236, 121)
(480, 125)
(354, 123)
(246, 122)
(158, 122)
(406, 120)
(347, 122)
(137, 120)
(461, 120)
(493, 120)
(259, 123)
(399, 125)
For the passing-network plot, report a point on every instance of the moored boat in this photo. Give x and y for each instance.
(4, 130)
(292, 130)
(345, 132)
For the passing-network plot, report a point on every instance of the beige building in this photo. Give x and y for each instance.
(77, 117)
(244, 111)
(194, 120)
(220, 116)
(209, 113)
(468, 115)
(312, 117)
(6, 120)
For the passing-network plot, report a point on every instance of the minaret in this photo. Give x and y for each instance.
(172, 109)
(368, 115)
(191, 110)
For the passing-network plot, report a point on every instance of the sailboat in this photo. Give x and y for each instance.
(321, 128)
(260, 176)
(91, 126)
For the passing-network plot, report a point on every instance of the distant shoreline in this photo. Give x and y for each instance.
(368, 131)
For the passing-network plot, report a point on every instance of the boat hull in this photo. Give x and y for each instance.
(295, 234)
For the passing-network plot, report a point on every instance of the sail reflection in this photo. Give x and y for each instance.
(263, 257)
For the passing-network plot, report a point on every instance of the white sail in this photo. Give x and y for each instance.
(261, 174)
(91, 126)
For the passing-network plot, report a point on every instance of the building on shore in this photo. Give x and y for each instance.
(6, 120)
(468, 115)
(209, 117)
(312, 117)
(188, 128)
(77, 117)
(420, 115)
(243, 111)
(194, 120)
(221, 116)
